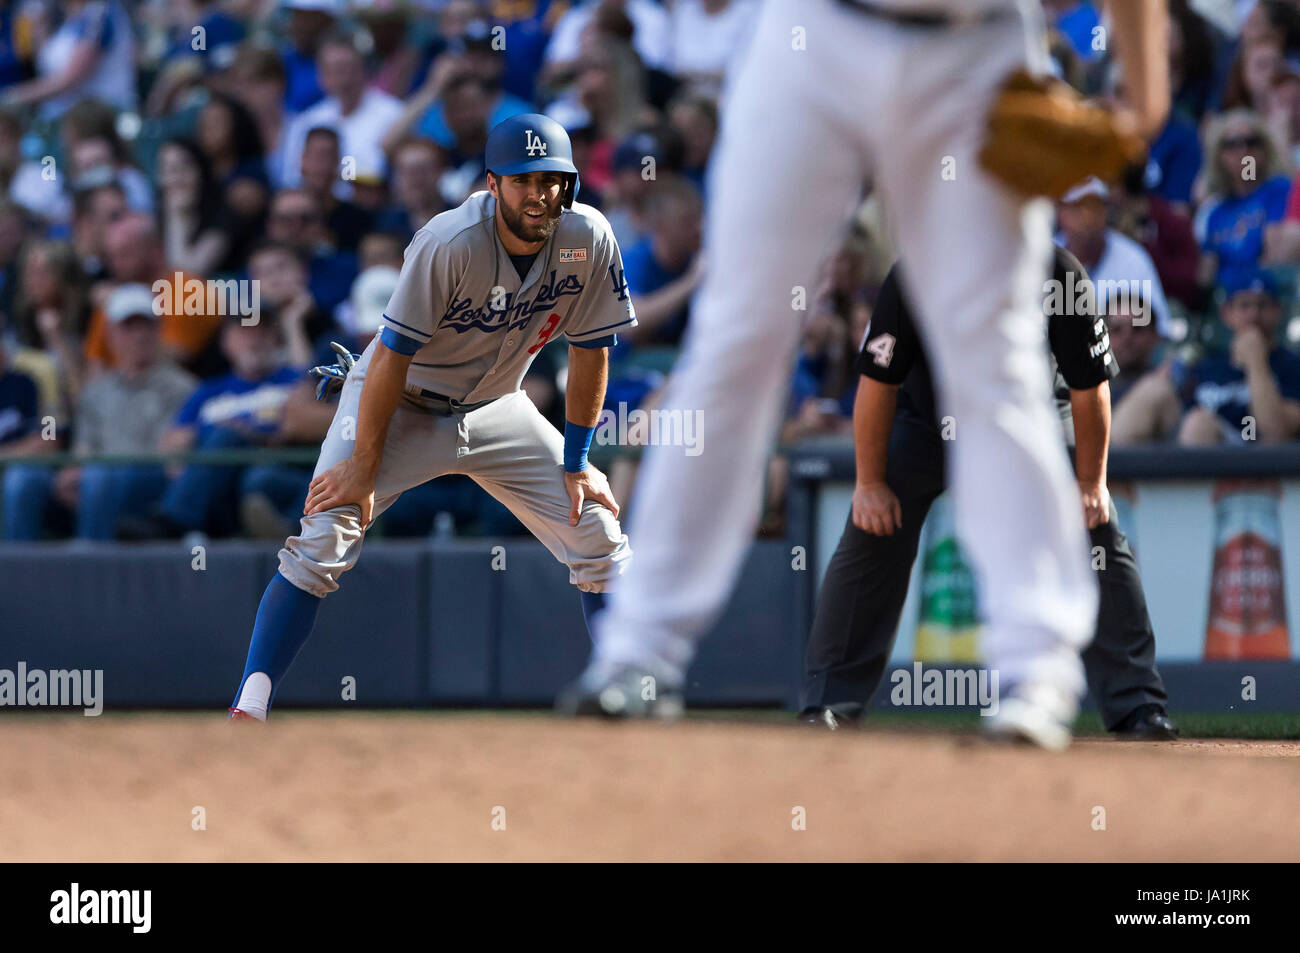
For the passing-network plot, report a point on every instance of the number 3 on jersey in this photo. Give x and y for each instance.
(881, 348)
(547, 330)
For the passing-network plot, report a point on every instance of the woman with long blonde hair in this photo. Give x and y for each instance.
(1244, 189)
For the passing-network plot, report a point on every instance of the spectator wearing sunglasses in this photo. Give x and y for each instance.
(1247, 192)
(297, 220)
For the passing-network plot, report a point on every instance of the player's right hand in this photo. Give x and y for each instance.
(590, 484)
(876, 509)
(345, 482)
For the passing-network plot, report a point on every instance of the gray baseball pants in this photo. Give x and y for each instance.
(507, 447)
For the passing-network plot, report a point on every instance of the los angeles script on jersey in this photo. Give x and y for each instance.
(504, 311)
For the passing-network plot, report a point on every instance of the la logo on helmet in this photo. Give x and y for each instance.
(534, 144)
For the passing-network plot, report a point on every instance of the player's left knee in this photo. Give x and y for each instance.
(598, 554)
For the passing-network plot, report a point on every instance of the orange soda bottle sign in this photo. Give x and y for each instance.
(1247, 613)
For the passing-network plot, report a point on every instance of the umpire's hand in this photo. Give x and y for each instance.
(876, 509)
(1096, 503)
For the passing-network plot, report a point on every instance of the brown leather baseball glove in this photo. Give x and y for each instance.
(1043, 138)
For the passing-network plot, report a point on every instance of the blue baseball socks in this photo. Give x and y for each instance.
(284, 621)
(592, 603)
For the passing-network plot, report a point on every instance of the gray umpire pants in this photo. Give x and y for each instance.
(507, 447)
(866, 584)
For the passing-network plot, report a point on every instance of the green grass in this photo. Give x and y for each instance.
(1280, 726)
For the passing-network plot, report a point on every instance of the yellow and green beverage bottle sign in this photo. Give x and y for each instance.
(949, 624)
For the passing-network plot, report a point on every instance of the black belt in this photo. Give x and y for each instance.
(929, 19)
(449, 405)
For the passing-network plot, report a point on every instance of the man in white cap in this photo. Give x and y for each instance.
(122, 411)
(1118, 265)
(370, 293)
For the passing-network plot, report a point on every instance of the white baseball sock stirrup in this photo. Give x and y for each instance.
(255, 696)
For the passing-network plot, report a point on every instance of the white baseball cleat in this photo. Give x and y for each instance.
(1018, 720)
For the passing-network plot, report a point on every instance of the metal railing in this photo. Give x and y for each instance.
(831, 458)
(232, 456)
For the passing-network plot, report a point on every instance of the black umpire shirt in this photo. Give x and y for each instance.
(1080, 356)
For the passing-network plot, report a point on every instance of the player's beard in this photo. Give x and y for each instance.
(528, 231)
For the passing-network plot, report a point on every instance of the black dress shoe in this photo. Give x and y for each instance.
(828, 719)
(1147, 723)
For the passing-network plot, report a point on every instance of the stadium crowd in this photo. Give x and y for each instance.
(290, 150)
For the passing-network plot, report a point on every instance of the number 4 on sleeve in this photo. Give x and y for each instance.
(881, 348)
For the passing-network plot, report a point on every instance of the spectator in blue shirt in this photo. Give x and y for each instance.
(246, 408)
(824, 383)
(1248, 193)
(1077, 21)
(1252, 393)
(472, 54)
(297, 219)
(663, 269)
(1174, 161)
(527, 25)
(640, 160)
(459, 101)
(204, 32)
(309, 22)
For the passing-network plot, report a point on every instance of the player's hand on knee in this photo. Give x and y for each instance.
(876, 509)
(590, 484)
(345, 482)
(1096, 503)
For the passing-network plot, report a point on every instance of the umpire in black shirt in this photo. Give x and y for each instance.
(900, 472)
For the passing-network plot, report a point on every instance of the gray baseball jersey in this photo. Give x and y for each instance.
(476, 324)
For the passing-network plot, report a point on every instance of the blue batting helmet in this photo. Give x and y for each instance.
(531, 142)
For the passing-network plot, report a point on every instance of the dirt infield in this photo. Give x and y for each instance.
(416, 786)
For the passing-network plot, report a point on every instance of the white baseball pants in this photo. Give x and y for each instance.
(802, 131)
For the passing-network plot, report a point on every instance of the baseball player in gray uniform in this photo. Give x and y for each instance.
(483, 288)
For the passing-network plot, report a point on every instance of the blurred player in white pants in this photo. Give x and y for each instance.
(901, 104)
